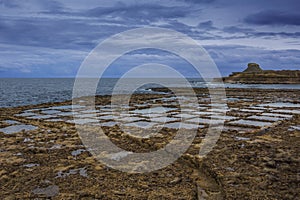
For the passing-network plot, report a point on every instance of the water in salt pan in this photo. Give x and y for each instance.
(257, 108)
(186, 110)
(251, 110)
(130, 119)
(25, 114)
(108, 117)
(17, 128)
(10, 122)
(67, 114)
(54, 120)
(91, 115)
(287, 111)
(251, 123)
(177, 125)
(90, 111)
(219, 110)
(203, 113)
(232, 99)
(154, 110)
(141, 124)
(278, 115)
(50, 112)
(66, 107)
(238, 129)
(41, 117)
(109, 124)
(164, 119)
(296, 128)
(185, 116)
(205, 121)
(265, 118)
(225, 117)
(83, 121)
(281, 105)
(153, 115)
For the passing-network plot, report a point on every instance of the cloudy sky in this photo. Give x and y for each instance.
(48, 38)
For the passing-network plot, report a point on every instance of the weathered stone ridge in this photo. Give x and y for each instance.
(254, 74)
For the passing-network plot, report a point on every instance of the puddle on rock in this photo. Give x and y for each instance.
(118, 156)
(30, 165)
(56, 146)
(77, 152)
(50, 191)
(241, 138)
(80, 171)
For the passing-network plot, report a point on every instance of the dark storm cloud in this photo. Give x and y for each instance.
(274, 17)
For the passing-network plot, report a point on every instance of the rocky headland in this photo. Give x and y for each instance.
(255, 75)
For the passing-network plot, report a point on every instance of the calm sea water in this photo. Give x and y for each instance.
(18, 92)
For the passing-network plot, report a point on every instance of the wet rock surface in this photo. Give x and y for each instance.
(257, 160)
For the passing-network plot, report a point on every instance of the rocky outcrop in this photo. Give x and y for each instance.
(253, 67)
(255, 75)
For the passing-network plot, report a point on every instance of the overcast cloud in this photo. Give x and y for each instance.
(47, 38)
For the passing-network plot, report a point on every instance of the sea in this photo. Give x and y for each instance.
(30, 91)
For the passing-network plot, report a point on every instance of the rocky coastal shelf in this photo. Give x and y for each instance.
(255, 75)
